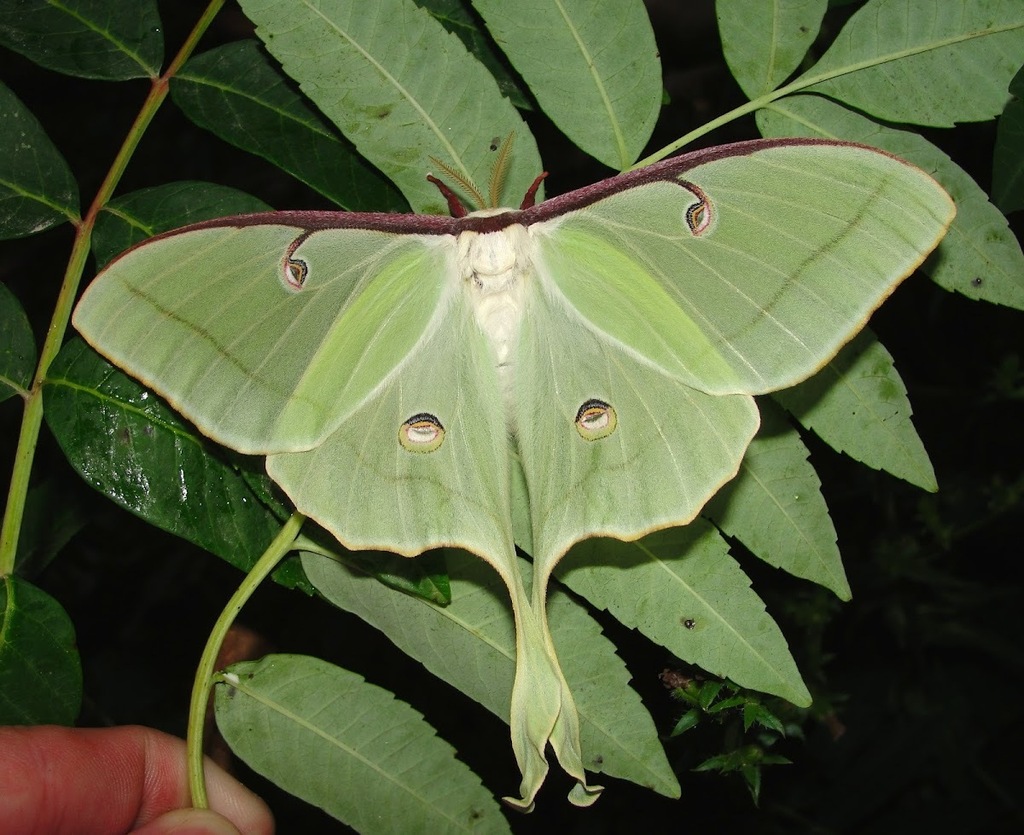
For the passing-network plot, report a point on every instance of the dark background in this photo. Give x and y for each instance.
(917, 680)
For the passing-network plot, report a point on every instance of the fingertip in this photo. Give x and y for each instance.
(189, 822)
(227, 797)
(234, 800)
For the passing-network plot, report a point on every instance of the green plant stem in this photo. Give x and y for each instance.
(802, 83)
(32, 418)
(204, 679)
(732, 115)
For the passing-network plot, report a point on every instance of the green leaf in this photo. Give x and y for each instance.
(400, 87)
(688, 720)
(425, 577)
(471, 645)
(765, 42)
(129, 445)
(775, 507)
(40, 673)
(727, 704)
(52, 516)
(681, 589)
(326, 735)
(708, 693)
(237, 93)
(454, 16)
(1008, 159)
(858, 404)
(752, 777)
(141, 214)
(132, 447)
(753, 712)
(719, 762)
(17, 347)
(593, 67)
(37, 190)
(87, 38)
(924, 62)
(980, 257)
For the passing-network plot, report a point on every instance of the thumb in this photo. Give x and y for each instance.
(189, 822)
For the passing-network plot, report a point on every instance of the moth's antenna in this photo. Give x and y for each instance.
(461, 179)
(499, 171)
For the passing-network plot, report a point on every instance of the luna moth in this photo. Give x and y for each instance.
(581, 367)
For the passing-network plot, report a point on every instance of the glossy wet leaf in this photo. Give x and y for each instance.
(53, 515)
(88, 38)
(128, 444)
(17, 347)
(37, 189)
(40, 672)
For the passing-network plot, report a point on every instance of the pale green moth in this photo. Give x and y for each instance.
(413, 379)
